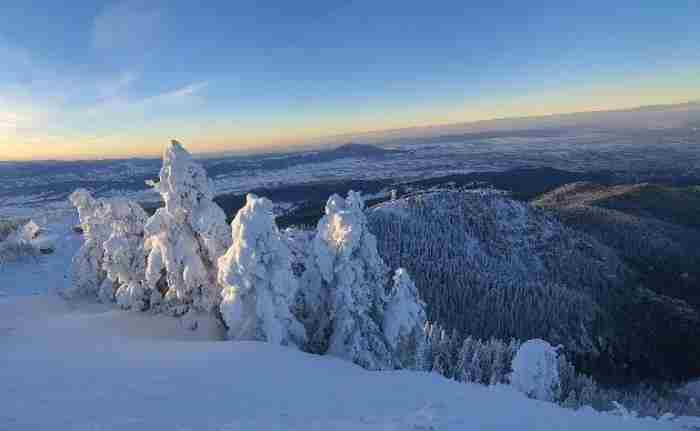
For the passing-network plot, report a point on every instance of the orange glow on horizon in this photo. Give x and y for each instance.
(201, 138)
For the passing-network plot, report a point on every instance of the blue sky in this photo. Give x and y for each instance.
(93, 79)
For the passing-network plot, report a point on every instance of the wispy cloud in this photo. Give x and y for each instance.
(127, 26)
(162, 103)
(116, 86)
(182, 93)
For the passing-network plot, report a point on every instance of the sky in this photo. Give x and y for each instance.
(102, 79)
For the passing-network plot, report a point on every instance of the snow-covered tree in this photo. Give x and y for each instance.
(479, 365)
(404, 320)
(499, 366)
(17, 239)
(259, 287)
(87, 274)
(536, 370)
(111, 260)
(441, 354)
(186, 237)
(353, 283)
(463, 366)
(124, 257)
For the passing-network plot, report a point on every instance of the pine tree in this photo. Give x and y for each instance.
(441, 362)
(124, 255)
(110, 263)
(259, 289)
(354, 280)
(588, 396)
(87, 274)
(463, 367)
(404, 320)
(571, 401)
(498, 364)
(185, 238)
(425, 355)
(536, 372)
(476, 368)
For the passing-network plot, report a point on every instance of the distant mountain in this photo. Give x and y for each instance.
(359, 150)
(679, 115)
(491, 266)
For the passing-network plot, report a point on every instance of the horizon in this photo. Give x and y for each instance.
(117, 80)
(331, 142)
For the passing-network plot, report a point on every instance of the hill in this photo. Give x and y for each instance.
(358, 150)
(655, 228)
(491, 266)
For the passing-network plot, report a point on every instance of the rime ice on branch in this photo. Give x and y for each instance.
(185, 238)
(256, 275)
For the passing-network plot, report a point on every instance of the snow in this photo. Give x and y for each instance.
(354, 278)
(184, 239)
(43, 273)
(259, 288)
(86, 366)
(30, 231)
(404, 320)
(535, 370)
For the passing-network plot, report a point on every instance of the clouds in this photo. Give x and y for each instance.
(116, 85)
(183, 93)
(161, 103)
(127, 27)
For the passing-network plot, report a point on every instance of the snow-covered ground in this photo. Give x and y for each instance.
(82, 366)
(79, 365)
(40, 274)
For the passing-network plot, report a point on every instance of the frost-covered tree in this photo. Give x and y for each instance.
(17, 239)
(185, 238)
(536, 370)
(124, 257)
(441, 354)
(88, 276)
(111, 260)
(259, 288)
(404, 320)
(353, 283)
(463, 366)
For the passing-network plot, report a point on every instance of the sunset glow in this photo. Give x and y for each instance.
(118, 79)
